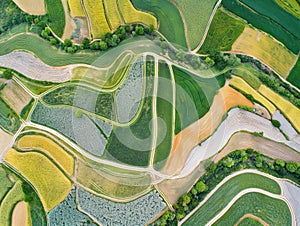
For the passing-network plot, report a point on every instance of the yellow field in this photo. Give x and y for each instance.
(50, 183)
(131, 15)
(244, 87)
(76, 8)
(266, 49)
(34, 7)
(50, 148)
(15, 96)
(112, 13)
(20, 215)
(291, 112)
(292, 6)
(96, 15)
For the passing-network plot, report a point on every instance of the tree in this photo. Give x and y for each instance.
(151, 28)
(292, 166)
(180, 55)
(70, 49)
(200, 187)
(103, 45)
(228, 162)
(68, 42)
(139, 30)
(7, 74)
(186, 199)
(279, 162)
(53, 41)
(275, 123)
(85, 43)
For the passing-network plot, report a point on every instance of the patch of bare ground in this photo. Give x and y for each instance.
(249, 215)
(187, 139)
(5, 139)
(244, 140)
(20, 214)
(70, 24)
(34, 7)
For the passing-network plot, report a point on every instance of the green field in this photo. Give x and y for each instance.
(227, 192)
(196, 17)
(294, 76)
(133, 144)
(169, 19)
(247, 72)
(194, 96)
(250, 222)
(223, 32)
(56, 15)
(164, 109)
(9, 120)
(291, 6)
(272, 211)
(5, 183)
(265, 23)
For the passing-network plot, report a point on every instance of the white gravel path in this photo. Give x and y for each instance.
(237, 120)
(292, 193)
(34, 68)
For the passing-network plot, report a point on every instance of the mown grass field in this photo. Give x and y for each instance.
(50, 183)
(111, 182)
(294, 76)
(76, 8)
(168, 17)
(96, 17)
(196, 16)
(56, 15)
(249, 221)
(272, 211)
(164, 109)
(223, 32)
(131, 15)
(9, 120)
(50, 148)
(291, 6)
(243, 86)
(264, 23)
(113, 16)
(265, 48)
(290, 111)
(249, 74)
(194, 96)
(227, 192)
(14, 195)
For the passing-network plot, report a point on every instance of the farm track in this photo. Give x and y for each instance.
(246, 191)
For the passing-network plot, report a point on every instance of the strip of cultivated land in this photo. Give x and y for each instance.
(34, 7)
(231, 188)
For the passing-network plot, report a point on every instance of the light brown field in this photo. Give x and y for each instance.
(20, 215)
(187, 139)
(291, 112)
(76, 8)
(244, 140)
(15, 96)
(34, 7)
(50, 148)
(240, 84)
(263, 47)
(249, 215)
(50, 183)
(70, 24)
(5, 139)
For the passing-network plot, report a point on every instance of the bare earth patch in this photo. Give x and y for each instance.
(34, 7)
(5, 139)
(186, 140)
(249, 215)
(70, 24)
(20, 214)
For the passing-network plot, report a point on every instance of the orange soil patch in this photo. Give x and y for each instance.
(20, 215)
(187, 139)
(244, 140)
(249, 215)
(34, 7)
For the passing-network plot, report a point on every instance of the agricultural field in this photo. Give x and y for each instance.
(290, 111)
(5, 139)
(130, 92)
(263, 47)
(50, 148)
(222, 33)
(113, 15)
(9, 120)
(82, 130)
(76, 8)
(51, 184)
(243, 86)
(21, 215)
(294, 75)
(291, 6)
(249, 74)
(96, 18)
(231, 188)
(272, 211)
(164, 109)
(6, 184)
(168, 17)
(267, 23)
(56, 16)
(15, 96)
(111, 213)
(112, 182)
(33, 7)
(196, 17)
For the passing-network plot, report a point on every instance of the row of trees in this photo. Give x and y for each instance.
(215, 173)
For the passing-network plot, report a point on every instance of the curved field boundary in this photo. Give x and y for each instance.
(232, 185)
